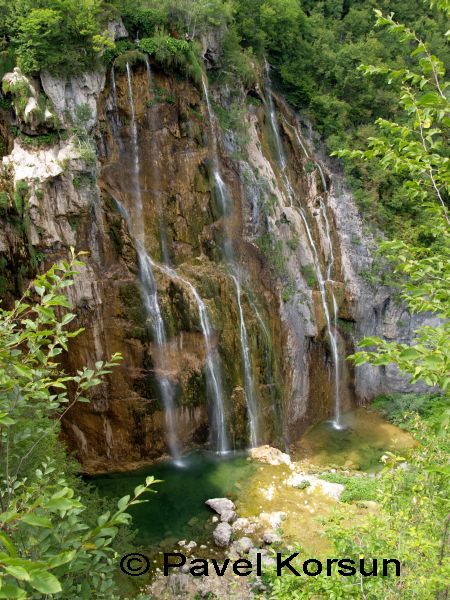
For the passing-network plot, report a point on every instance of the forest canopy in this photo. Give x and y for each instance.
(315, 49)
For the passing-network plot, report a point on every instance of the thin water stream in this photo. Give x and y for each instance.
(148, 285)
(281, 159)
(224, 200)
(218, 428)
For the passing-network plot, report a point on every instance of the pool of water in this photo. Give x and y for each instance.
(178, 511)
(364, 437)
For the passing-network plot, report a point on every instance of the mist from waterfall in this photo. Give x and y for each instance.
(331, 327)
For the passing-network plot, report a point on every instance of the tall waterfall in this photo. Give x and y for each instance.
(331, 328)
(224, 199)
(155, 166)
(252, 406)
(218, 429)
(148, 286)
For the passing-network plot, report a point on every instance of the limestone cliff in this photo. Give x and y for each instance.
(63, 182)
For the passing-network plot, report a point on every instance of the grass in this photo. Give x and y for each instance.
(357, 488)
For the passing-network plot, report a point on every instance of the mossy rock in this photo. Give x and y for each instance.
(202, 182)
(134, 312)
(195, 390)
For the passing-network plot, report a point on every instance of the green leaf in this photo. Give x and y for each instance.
(12, 592)
(36, 521)
(18, 572)
(45, 582)
(62, 559)
(123, 503)
(23, 371)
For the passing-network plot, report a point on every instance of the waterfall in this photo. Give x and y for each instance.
(162, 227)
(114, 96)
(252, 406)
(281, 159)
(218, 432)
(148, 287)
(323, 212)
(225, 204)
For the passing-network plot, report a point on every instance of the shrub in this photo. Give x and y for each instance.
(173, 53)
(48, 543)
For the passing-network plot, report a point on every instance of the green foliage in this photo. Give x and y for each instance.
(42, 140)
(21, 92)
(402, 409)
(86, 147)
(173, 53)
(190, 18)
(273, 250)
(47, 545)
(129, 57)
(416, 150)
(236, 64)
(357, 487)
(309, 274)
(413, 495)
(58, 35)
(232, 119)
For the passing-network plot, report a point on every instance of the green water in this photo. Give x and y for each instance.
(360, 444)
(177, 511)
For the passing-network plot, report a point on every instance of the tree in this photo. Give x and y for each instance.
(415, 150)
(47, 545)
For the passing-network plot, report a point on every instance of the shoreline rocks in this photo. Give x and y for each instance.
(222, 535)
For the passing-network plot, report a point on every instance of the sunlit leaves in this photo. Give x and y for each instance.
(45, 546)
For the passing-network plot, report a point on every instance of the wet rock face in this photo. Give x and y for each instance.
(72, 203)
(374, 309)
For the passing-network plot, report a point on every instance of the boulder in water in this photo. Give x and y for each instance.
(220, 505)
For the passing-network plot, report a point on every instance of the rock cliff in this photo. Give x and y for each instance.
(66, 174)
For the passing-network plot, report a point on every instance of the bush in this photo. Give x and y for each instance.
(130, 57)
(173, 53)
(62, 36)
(49, 543)
(356, 487)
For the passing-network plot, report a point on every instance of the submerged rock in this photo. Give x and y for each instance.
(273, 519)
(244, 525)
(222, 535)
(332, 490)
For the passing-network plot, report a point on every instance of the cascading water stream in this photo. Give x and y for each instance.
(252, 406)
(114, 96)
(224, 200)
(148, 287)
(154, 158)
(281, 159)
(214, 378)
